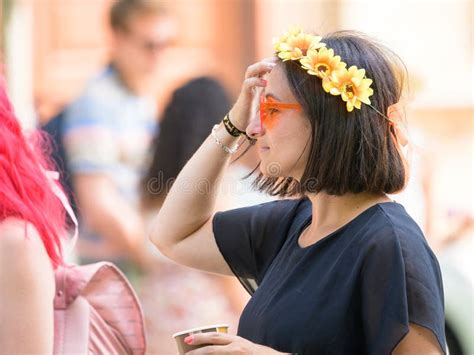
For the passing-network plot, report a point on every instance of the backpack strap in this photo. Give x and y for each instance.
(60, 295)
(71, 317)
(53, 179)
(70, 281)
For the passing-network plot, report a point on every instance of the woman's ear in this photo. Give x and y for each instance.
(401, 133)
(395, 115)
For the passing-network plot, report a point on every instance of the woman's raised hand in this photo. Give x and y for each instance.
(179, 238)
(242, 110)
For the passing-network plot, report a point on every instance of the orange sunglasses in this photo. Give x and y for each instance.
(267, 107)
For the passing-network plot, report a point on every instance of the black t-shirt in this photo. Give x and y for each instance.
(352, 292)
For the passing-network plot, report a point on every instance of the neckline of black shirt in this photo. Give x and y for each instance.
(307, 222)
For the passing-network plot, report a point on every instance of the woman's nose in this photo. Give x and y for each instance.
(255, 128)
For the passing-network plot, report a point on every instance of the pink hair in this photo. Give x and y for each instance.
(25, 191)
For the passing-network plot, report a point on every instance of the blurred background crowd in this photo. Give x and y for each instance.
(131, 88)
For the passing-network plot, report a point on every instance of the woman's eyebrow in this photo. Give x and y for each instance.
(272, 96)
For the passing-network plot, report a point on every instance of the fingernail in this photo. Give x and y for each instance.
(264, 82)
(188, 340)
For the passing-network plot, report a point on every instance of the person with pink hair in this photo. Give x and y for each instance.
(32, 223)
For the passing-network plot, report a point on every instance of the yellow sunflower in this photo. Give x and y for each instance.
(352, 85)
(295, 44)
(277, 41)
(322, 63)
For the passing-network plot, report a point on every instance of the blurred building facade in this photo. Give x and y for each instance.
(68, 40)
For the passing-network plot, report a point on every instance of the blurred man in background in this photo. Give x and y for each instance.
(107, 131)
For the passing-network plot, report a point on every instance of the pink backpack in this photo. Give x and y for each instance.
(96, 311)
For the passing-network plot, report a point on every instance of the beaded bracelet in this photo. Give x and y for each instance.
(225, 148)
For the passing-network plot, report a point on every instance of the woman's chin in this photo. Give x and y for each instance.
(275, 170)
(271, 169)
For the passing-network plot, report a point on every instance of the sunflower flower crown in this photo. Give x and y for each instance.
(317, 59)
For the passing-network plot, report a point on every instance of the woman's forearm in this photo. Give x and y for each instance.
(191, 200)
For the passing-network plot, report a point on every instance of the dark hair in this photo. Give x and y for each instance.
(122, 10)
(188, 118)
(350, 152)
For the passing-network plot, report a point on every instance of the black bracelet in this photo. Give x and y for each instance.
(231, 129)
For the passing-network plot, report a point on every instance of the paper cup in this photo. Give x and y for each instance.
(180, 336)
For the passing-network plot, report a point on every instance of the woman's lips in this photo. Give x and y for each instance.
(263, 149)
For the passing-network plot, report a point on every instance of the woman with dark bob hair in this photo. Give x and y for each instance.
(338, 268)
